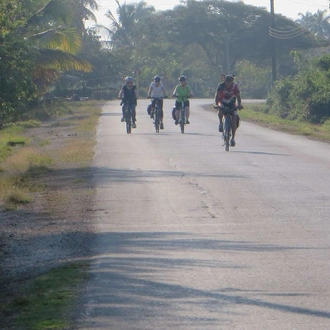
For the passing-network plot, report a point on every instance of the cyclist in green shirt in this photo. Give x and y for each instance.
(182, 92)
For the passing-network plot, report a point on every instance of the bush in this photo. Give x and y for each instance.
(305, 96)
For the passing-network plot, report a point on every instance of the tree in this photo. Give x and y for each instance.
(318, 23)
(122, 32)
(16, 64)
(253, 79)
(222, 27)
(38, 41)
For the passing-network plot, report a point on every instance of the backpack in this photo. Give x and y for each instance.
(149, 109)
(173, 113)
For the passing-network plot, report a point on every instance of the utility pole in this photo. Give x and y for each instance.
(274, 70)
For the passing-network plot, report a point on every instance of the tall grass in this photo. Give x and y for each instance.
(18, 170)
(19, 162)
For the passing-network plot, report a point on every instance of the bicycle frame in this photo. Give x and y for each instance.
(227, 126)
(128, 117)
(157, 114)
(182, 119)
(183, 114)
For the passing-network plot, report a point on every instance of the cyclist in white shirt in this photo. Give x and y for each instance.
(157, 90)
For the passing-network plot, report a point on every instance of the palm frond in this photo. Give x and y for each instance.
(64, 39)
(61, 61)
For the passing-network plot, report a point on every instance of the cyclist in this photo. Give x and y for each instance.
(226, 94)
(129, 93)
(157, 90)
(182, 92)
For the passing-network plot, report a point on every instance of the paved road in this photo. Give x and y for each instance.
(192, 237)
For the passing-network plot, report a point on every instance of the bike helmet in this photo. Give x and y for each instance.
(129, 79)
(157, 78)
(182, 78)
(229, 78)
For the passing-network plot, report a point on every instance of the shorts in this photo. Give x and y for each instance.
(178, 104)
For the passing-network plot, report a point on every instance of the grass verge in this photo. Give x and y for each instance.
(49, 301)
(33, 157)
(20, 162)
(19, 169)
(254, 113)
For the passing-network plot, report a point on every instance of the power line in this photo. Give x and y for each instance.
(309, 3)
(289, 34)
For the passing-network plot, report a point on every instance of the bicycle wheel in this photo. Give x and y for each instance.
(128, 122)
(182, 120)
(157, 121)
(226, 132)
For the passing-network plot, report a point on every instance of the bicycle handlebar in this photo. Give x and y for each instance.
(186, 97)
(217, 106)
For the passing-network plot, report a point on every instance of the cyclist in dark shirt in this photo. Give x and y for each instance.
(129, 93)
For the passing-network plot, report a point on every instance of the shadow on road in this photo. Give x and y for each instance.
(259, 153)
(132, 281)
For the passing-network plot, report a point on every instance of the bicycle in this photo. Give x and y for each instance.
(227, 125)
(157, 112)
(128, 115)
(182, 119)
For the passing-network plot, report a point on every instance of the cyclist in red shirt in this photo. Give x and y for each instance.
(226, 95)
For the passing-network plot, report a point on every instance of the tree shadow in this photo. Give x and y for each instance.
(129, 281)
(101, 175)
(260, 153)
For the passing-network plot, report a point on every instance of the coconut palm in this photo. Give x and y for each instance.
(54, 33)
(122, 31)
(318, 23)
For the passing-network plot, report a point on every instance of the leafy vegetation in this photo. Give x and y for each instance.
(305, 96)
(38, 40)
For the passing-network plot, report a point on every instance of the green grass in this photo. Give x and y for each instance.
(254, 113)
(49, 302)
(21, 125)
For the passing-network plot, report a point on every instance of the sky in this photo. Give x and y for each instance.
(288, 8)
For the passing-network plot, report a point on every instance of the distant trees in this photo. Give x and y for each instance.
(44, 43)
(304, 96)
(202, 38)
(318, 23)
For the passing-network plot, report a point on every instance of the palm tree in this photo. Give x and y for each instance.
(55, 35)
(318, 23)
(121, 31)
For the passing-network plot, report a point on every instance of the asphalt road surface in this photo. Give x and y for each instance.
(189, 236)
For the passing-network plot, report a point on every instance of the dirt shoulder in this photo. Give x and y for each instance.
(55, 228)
